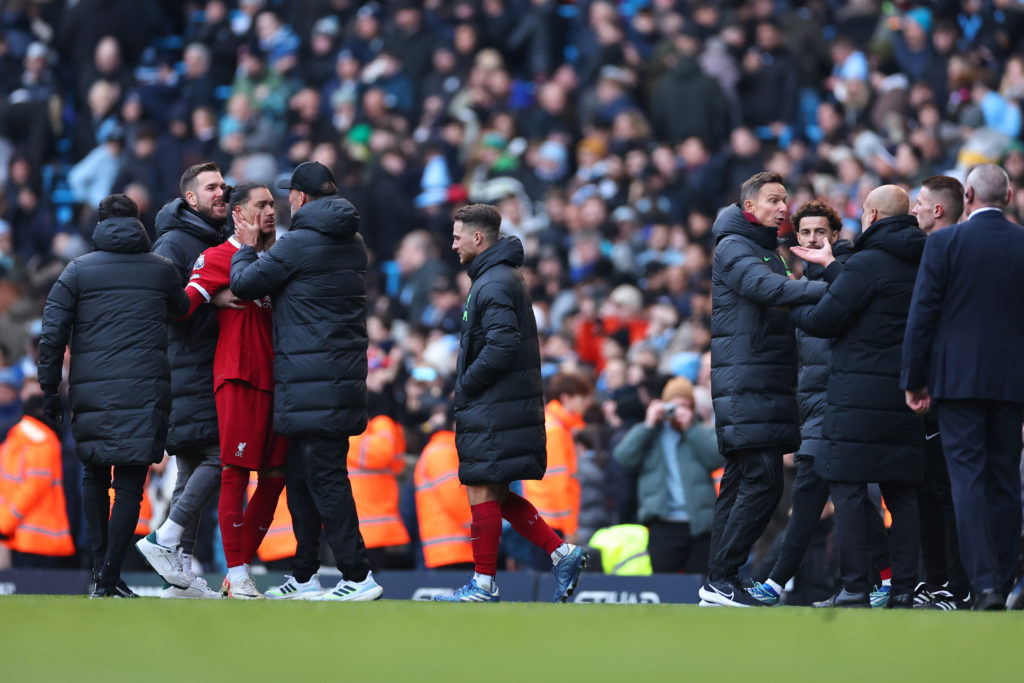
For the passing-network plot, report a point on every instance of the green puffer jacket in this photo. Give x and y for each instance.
(698, 457)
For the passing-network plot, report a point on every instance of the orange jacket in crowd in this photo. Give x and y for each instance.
(441, 504)
(590, 334)
(279, 543)
(374, 460)
(557, 495)
(33, 517)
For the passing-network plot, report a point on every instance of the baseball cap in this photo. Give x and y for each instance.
(310, 177)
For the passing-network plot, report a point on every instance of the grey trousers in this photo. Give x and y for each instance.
(197, 484)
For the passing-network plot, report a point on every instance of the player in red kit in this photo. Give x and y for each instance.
(243, 371)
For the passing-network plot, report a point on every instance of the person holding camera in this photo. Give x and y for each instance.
(676, 455)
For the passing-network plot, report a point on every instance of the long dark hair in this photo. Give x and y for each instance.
(238, 195)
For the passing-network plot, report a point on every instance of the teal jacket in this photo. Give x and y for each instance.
(698, 457)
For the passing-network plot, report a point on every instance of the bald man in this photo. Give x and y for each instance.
(962, 353)
(870, 435)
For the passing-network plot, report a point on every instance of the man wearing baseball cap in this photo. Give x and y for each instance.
(316, 276)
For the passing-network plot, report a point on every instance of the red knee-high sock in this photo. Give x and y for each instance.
(260, 514)
(485, 533)
(525, 519)
(233, 481)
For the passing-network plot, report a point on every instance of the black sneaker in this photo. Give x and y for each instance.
(727, 594)
(925, 592)
(845, 599)
(947, 601)
(121, 590)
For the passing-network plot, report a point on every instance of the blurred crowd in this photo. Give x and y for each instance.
(608, 134)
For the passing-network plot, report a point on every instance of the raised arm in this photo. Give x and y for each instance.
(253, 277)
(747, 274)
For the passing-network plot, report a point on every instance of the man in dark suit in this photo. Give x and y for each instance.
(962, 349)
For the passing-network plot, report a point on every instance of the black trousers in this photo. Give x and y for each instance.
(810, 493)
(982, 443)
(111, 529)
(855, 562)
(751, 488)
(674, 549)
(320, 495)
(940, 549)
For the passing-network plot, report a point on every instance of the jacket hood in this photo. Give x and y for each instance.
(176, 215)
(897, 235)
(332, 216)
(841, 250)
(732, 222)
(506, 250)
(122, 236)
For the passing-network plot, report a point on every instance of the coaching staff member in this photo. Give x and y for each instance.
(753, 376)
(962, 351)
(112, 305)
(316, 275)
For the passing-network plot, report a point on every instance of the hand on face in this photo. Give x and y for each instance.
(246, 232)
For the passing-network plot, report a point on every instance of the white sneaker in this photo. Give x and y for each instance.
(351, 591)
(198, 590)
(165, 561)
(242, 590)
(293, 590)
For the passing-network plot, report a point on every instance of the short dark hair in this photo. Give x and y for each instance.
(240, 193)
(949, 192)
(117, 206)
(482, 216)
(570, 383)
(188, 178)
(754, 183)
(817, 207)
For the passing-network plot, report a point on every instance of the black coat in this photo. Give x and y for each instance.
(686, 88)
(181, 237)
(870, 432)
(753, 349)
(966, 323)
(316, 275)
(815, 358)
(112, 305)
(499, 398)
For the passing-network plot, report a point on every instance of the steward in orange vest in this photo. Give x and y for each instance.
(374, 461)
(557, 495)
(442, 507)
(33, 516)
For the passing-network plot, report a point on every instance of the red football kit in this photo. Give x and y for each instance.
(243, 371)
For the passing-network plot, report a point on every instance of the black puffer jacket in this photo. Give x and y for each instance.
(181, 237)
(753, 350)
(316, 275)
(112, 305)
(870, 433)
(499, 398)
(815, 356)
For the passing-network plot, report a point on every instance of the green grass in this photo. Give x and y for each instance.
(59, 638)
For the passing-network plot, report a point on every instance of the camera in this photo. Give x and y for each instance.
(670, 411)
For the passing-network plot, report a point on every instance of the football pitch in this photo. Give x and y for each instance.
(60, 638)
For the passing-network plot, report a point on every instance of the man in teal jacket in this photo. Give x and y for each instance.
(676, 455)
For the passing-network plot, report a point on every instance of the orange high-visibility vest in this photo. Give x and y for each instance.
(279, 543)
(716, 477)
(374, 459)
(33, 515)
(442, 507)
(557, 495)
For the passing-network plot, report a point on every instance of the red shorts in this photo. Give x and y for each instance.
(246, 419)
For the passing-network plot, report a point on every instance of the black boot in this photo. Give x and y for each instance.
(901, 601)
(846, 599)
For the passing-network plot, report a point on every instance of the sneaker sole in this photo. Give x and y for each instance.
(564, 597)
(157, 560)
(705, 603)
(719, 600)
(368, 596)
(309, 595)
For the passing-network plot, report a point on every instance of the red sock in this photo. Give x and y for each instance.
(525, 519)
(233, 481)
(485, 533)
(259, 515)
(885, 574)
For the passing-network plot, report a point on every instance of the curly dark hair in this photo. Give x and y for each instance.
(817, 207)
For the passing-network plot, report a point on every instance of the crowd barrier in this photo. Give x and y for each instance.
(522, 586)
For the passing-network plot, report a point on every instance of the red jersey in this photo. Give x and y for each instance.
(245, 347)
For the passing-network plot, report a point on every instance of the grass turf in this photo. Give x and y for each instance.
(44, 638)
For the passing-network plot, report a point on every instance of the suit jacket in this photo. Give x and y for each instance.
(965, 331)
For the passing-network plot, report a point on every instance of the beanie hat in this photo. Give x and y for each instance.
(678, 387)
